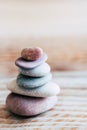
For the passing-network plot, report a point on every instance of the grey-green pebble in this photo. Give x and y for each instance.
(32, 82)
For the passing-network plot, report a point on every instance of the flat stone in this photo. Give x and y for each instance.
(49, 89)
(29, 106)
(32, 53)
(20, 62)
(32, 82)
(38, 71)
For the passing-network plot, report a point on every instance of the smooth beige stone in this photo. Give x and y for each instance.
(49, 89)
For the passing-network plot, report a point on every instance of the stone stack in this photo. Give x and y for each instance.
(32, 92)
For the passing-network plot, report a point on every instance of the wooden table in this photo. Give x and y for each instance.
(70, 112)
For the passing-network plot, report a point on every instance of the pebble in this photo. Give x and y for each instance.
(32, 53)
(32, 82)
(29, 106)
(49, 89)
(21, 63)
(38, 71)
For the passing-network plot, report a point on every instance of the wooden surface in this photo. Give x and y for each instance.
(70, 112)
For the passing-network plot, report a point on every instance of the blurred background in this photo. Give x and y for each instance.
(58, 26)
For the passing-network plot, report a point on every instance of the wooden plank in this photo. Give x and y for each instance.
(69, 113)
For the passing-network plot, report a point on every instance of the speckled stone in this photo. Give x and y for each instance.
(38, 71)
(32, 53)
(29, 106)
(32, 82)
(20, 62)
(49, 89)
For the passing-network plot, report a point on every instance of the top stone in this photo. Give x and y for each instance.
(31, 53)
(21, 63)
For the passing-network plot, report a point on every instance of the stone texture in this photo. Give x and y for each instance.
(29, 106)
(38, 71)
(32, 82)
(49, 89)
(32, 53)
(20, 62)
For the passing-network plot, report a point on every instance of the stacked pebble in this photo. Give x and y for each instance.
(32, 92)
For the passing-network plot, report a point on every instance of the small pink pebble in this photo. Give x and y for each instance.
(31, 53)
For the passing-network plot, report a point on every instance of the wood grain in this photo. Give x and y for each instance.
(69, 113)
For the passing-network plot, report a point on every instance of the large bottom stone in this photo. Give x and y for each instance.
(29, 106)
